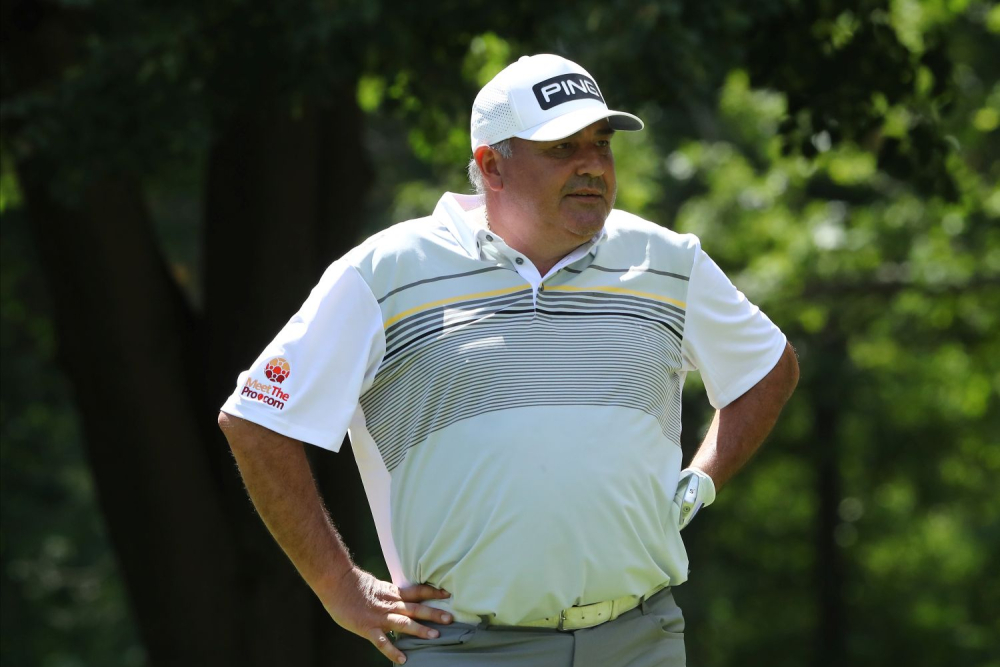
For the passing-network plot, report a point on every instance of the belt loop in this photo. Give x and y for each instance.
(484, 622)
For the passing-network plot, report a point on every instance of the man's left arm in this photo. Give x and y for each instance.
(738, 429)
(731, 343)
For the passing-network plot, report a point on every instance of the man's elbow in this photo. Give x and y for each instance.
(231, 426)
(790, 369)
(247, 436)
(225, 422)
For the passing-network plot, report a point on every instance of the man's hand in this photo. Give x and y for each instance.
(372, 608)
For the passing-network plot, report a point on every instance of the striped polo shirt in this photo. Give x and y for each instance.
(517, 435)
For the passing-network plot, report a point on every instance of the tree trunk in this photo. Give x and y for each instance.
(284, 199)
(207, 584)
(830, 571)
(125, 341)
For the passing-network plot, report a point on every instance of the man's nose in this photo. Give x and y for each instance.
(593, 162)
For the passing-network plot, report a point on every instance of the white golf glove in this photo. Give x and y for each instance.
(695, 490)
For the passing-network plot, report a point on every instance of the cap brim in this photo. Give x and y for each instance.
(574, 121)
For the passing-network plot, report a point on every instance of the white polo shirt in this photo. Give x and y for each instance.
(517, 435)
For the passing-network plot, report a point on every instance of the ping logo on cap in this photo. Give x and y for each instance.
(565, 88)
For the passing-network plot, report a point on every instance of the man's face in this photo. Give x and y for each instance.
(567, 186)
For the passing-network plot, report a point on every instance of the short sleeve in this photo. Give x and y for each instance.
(306, 382)
(726, 337)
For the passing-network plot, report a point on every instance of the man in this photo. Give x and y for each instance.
(510, 370)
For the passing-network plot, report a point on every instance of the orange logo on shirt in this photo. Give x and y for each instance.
(268, 394)
(277, 370)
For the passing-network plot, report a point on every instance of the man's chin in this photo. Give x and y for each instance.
(585, 219)
(588, 227)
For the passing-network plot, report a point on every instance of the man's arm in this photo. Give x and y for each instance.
(738, 429)
(278, 477)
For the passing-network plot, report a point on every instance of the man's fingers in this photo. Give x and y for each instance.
(407, 625)
(381, 641)
(423, 612)
(418, 592)
(401, 624)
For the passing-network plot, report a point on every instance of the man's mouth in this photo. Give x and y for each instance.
(586, 195)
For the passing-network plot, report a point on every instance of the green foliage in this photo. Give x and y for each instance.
(62, 601)
(835, 249)
(10, 193)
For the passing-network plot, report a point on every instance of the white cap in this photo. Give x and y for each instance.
(541, 98)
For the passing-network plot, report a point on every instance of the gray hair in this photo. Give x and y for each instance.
(505, 148)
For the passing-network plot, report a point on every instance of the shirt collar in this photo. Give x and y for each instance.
(458, 212)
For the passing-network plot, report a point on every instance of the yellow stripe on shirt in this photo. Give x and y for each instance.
(454, 299)
(618, 290)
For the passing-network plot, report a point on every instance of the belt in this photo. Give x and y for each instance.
(589, 615)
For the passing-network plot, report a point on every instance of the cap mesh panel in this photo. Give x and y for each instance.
(492, 116)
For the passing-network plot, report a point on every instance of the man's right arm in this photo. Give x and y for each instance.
(280, 483)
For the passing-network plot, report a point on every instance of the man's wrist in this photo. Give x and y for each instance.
(339, 579)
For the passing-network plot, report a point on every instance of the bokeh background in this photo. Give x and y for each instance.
(177, 174)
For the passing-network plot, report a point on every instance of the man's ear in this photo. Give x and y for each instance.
(488, 161)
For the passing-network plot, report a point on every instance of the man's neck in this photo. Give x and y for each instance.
(542, 252)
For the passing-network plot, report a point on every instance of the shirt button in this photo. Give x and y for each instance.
(519, 260)
(489, 238)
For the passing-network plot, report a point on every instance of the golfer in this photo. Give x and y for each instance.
(510, 370)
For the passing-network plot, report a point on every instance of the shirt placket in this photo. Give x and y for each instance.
(494, 248)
